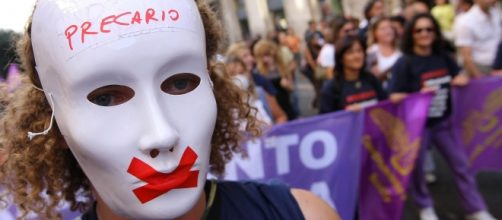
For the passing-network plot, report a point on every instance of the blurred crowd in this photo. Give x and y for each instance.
(268, 66)
(353, 64)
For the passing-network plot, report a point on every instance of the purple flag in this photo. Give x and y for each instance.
(478, 122)
(320, 154)
(391, 142)
(13, 77)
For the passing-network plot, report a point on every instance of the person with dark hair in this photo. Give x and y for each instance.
(372, 9)
(352, 88)
(425, 67)
(414, 7)
(398, 22)
(314, 43)
(337, 29)
(464, 6)
(313, 32)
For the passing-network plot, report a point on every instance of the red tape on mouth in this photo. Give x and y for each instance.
(161, 183)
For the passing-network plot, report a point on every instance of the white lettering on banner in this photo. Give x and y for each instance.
(368, 103)
(281, 145)
(307, 146)
(439, 105)
(438, 81)
(321, 189)
(252, 166)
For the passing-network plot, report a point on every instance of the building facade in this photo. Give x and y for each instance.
(247, 19)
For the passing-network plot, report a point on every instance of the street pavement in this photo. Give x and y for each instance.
(446, 199)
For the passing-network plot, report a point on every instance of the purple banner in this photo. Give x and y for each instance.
(478, 122)
(320, 154)
(391, 141)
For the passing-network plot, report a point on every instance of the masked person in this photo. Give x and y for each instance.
(255, 96)
(140, 118)
(258, 84)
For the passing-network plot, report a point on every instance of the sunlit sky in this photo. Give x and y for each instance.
(15, 13)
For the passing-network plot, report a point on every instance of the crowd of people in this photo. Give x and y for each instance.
(354, 64)
(273, 61)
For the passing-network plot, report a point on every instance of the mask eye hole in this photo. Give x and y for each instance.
(180, 84)
(111, 95)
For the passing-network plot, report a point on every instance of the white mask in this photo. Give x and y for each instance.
(147, 154)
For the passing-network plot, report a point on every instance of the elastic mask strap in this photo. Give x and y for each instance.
(32, 135)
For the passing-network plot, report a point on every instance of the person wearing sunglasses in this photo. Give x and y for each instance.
(426, 67)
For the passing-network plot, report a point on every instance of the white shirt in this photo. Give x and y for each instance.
(384, 62)
(326, 56)
(480, 32)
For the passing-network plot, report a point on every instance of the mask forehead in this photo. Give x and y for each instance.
(63, 29)
(81, 46)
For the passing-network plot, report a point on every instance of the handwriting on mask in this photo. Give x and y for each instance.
(128, 18)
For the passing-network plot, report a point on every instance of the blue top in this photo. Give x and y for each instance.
(263, 82)
(497, 64)
(245, 200)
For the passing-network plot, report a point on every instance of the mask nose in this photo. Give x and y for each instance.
(160, 135)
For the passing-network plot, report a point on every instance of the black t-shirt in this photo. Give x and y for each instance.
(244, 200)
(411, 73)
(497, 64)
(338, 94)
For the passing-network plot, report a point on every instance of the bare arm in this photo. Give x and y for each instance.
(397, 97)
(313, 207)
(330, 72)
(460, 80)
(278, 114)
(469, 65)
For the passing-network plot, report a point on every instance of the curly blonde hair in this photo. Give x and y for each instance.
(41, 173)
(267, 47)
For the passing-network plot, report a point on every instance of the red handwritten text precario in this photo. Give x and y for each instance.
(128, 18)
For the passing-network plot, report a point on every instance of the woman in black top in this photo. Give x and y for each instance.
(352, 88)
(426, 67)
